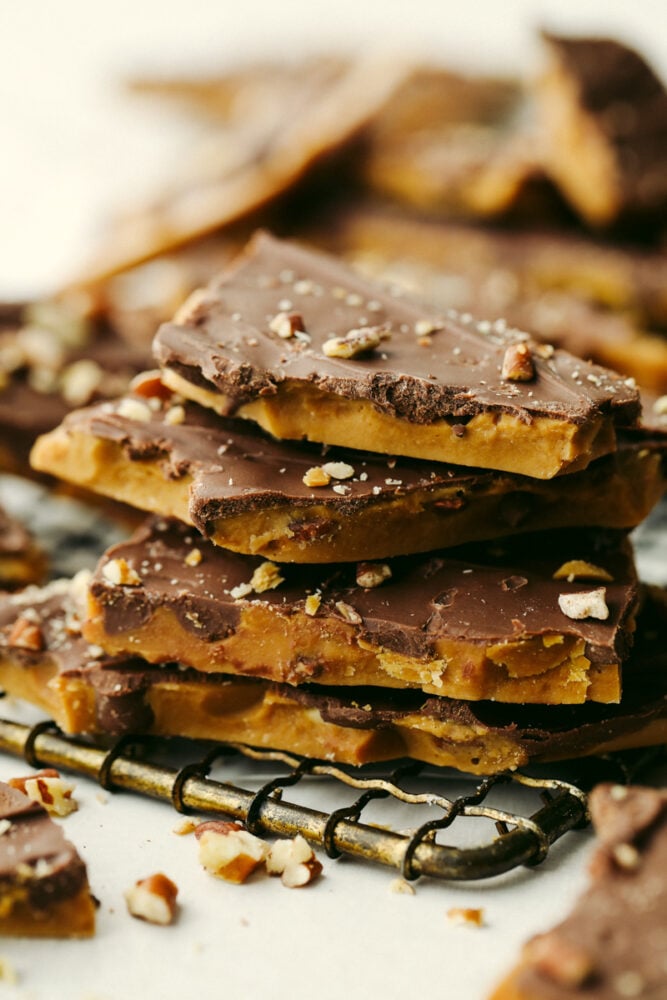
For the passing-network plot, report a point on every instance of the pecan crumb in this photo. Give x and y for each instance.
(338, 470)
(229, 851)
(193, 557)
(120, 573)
(466, 916)
(356, 343)
(518, 363)
(295, 862)
(402, 887)
(316, 476)
(372, 574)
(266, 577)
(590, 604)
(49, 789)
(348, 613)
(153, 899)
(287, 324)
(25, 634)
(312, 604)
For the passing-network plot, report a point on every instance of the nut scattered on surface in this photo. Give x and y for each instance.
(660, 406)
(266, 577)
(153, 899)
(424, 327)
(79, 381)
(316, 476)
(312, 604)
(175, 415)
(193, 557)
(49, 789)
(356, 343)
(591, 604)
(626, 856)
(295, 862)
(120, 573)
(25, 634)
(372, 574)
(287, 324)
(134, 409)
(229, 851)
(338, 470)
(579, 569)
(196, 301)
(347, 612)
(466, 916)
(518, 363)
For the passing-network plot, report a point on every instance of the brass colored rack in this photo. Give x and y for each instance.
(518, 840)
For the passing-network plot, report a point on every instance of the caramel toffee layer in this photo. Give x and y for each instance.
(246, 491)
(482, 621)
(612, 944)
(260, 343)
(88, 693)
(43, 881)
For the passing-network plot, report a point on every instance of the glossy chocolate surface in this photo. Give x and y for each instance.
(226, 345)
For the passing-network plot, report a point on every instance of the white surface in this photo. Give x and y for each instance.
(73, 148)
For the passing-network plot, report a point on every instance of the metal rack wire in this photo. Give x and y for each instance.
(518, 839)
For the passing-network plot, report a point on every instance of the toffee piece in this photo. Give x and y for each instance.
(299, 503)
(299, 343)
(604, 115)
(612, 944)
(86, 692)
(43, 882)
(481, 621)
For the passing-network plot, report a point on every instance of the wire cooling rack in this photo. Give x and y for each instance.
(512, 838)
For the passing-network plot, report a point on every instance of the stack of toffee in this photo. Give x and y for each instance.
(462, 590)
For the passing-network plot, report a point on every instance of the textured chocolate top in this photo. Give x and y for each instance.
(613, 943)
(483, 593)
(225, 344)
(629, 104)
(34, 853)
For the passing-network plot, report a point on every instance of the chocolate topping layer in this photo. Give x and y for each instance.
(225, 344)
(489, 592)
(34, 853)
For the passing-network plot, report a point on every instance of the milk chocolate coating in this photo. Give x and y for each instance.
(617, 928)
(226, 345)
(490, 592)
(33, 839)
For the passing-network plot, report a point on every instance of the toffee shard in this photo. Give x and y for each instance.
(396, 400)
(612, 943)
(484, 639)
(282, 500)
